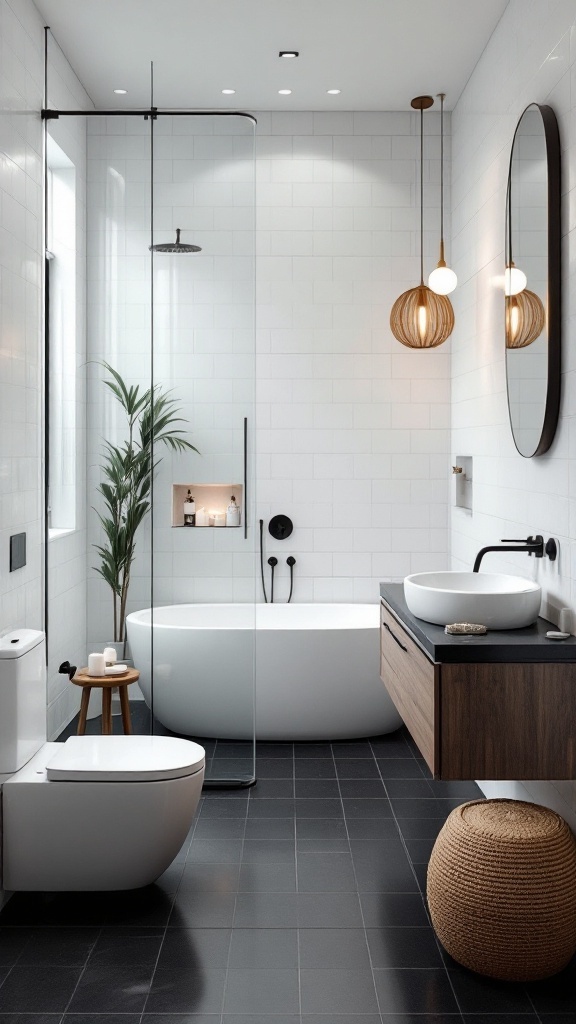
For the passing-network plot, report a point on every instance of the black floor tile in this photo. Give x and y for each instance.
(185, 990)
(46, 989)
(270, 828)
(399, 768)
(408, 788)
(372, 828)
(313, 750)
(112, 990)
(322, 846)
(253, 948)
(271, 808)
(215, 851)
(265, 990)
(486, 995)
(224, 807)
(321, 828)
(12, 943)
(363, 788)
(203, 910)
(333, 948)
(274, 768)
(555, 995)
(199, 877)
(414, 991)
(195, 948)
(266, 910)
(395, 876)
(59, 947)
(341, 990)
(318, 808)
(269, 749)
(393, 745)
(365, 808)
(265, 789)
(319, 789)
(329, 910)
(423, 808)
(351, 748)
(325, 872)
(220, 828)
(403, 947)
(279, 877)
(419, 850)
(64, 909)
(357, 768)
(121, 947)
(268, 851)
(420, 828)
(393, 909)
(260, 1018)
(517, 1018)
(314, 768)
(461, 790)
(101, 1018)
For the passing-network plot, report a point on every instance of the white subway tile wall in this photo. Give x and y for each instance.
(531, 57)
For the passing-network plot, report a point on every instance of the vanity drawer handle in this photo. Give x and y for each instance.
(394, 637)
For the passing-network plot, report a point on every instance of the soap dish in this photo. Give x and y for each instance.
(465, 629)
(116, 670)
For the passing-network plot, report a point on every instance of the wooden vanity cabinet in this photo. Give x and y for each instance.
(481, 720)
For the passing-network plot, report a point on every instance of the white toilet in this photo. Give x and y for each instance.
(95, 812)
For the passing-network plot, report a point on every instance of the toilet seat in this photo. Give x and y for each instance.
(124, 759)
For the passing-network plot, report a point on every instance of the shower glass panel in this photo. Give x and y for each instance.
(203, 558)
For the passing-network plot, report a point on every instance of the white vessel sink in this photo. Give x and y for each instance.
(490, 599)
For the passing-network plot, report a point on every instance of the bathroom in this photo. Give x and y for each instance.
(314, 215)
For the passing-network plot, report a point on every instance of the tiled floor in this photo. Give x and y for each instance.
(299, 901)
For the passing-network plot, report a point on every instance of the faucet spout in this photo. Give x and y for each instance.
(532, 546)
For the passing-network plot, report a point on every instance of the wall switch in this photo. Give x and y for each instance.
(17, 551)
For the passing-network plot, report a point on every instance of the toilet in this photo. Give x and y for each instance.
(95, 812)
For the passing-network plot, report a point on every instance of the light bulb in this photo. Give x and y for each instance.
(422, 321)
(515, 280)
(514, 321)
(442, 280)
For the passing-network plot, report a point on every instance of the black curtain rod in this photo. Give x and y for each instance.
(145, 112)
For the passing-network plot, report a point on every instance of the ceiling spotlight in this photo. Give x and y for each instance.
(333, 92)
(289, 53)
(228, 92)
(120, 92)
(284, 92)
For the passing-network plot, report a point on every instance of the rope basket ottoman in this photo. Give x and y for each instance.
(502, 889)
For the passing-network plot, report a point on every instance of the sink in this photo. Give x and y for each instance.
(490, 599)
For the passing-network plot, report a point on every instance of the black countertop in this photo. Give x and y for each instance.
(502, 645)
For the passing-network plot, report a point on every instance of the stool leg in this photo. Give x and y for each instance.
(107, 711)
(83, 710)
(125, 705)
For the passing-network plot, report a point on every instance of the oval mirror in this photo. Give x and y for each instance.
(532, 281)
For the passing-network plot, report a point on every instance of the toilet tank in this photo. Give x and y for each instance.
(22, 697)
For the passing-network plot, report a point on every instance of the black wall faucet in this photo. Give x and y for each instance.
(532, 545)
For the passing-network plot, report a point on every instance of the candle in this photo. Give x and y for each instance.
(110, 655)
(96, 665)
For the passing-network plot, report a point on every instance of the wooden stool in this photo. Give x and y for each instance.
(106, 684)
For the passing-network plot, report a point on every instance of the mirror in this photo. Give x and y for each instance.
(532, 281)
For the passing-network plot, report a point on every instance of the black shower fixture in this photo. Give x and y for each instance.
(280, 527)
(176, 248)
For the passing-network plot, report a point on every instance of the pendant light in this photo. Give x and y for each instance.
(525, 319)
(443, 280)
(420, 318)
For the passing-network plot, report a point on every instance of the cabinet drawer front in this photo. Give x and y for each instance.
(412, 682)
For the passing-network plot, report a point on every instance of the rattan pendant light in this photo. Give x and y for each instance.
(525, 319)
(420, 318)
(442, 280)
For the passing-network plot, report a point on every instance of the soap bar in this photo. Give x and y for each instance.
(465, 629)
(553, 635)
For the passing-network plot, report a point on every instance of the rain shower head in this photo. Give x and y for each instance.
(175, 247)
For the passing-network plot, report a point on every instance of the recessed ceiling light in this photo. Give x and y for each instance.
(333, 92)
(289, 53)
(228, 92)
(284, 92)
(120, 92)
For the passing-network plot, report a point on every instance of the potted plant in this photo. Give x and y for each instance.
(128, 468)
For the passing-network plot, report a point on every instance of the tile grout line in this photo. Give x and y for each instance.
(82, 972)
(299, 967)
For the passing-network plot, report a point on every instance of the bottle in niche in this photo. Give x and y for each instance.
(189, 510)
(232, 513)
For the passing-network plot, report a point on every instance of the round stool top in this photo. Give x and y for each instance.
(511, 819)
(83, 679)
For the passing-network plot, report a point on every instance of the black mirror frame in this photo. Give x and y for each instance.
(554, 310)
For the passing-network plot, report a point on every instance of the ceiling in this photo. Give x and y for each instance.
(379, 53)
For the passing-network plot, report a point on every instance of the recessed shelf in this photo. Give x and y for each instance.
(212, 498)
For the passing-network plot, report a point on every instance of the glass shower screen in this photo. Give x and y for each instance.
(203, 372)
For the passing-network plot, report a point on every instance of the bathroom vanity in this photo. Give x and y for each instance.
(499, 706)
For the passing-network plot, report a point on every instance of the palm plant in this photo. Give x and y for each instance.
(128, 470)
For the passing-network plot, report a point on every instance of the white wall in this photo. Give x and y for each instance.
(530, 58)
(352, 434)
(21, 350)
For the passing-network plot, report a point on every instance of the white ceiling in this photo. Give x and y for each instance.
(380, 53)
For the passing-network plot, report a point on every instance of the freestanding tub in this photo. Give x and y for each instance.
(317, 670)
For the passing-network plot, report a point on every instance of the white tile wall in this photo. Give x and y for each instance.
(351, 429)
(530, 58)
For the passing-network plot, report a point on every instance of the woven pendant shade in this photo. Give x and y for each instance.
(422, 319)
(525, 319)
(502, 889)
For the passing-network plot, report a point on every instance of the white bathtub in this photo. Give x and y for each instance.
(317, 670)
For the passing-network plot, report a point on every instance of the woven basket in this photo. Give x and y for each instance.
(502, 889)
